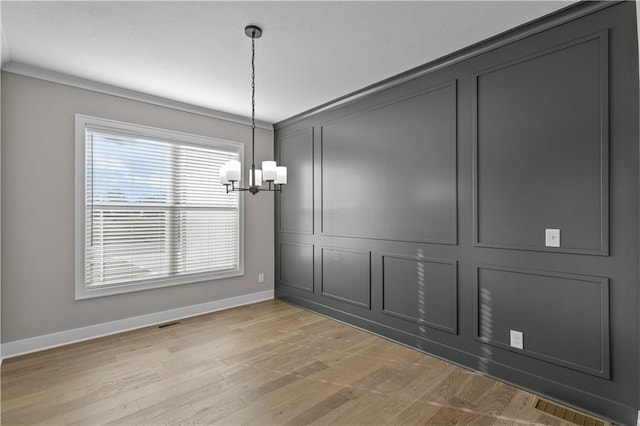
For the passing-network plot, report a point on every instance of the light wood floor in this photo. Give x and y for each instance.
(267, 363)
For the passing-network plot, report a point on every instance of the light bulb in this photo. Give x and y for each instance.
(281, 175)
(223, 175)
(269, 170)
(258, 178)
(233, 170)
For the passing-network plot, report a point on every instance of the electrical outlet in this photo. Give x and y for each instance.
(260, 278)
(517, 339)
(552, 237)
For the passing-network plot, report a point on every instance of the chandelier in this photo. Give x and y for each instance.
(272, 175)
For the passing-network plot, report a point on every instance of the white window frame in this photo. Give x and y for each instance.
(118, 127)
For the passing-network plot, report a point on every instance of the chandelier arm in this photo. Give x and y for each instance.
(254, 189)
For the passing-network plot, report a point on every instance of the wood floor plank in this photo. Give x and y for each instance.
(216, 412)
(320, 409)
(266, 363)
(365, 408)
(291, 400)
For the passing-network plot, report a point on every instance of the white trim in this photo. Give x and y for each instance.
(69, 80)
(67, 337)
(638, 422)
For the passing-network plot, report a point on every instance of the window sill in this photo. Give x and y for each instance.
(83, 292)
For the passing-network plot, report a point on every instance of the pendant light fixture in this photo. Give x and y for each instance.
(273, 175)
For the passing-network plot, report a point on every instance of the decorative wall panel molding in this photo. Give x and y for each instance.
(421, 290)
(346, 276)
(564, 318)
(296, 199)
(390, 172)
(472, 163)
(296, 266)
(541, 137)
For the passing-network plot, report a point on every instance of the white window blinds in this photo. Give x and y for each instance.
(154, 211)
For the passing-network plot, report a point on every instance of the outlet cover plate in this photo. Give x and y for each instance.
(517, 339)
(552, 237)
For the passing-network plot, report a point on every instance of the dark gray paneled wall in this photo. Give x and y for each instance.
(536, 301)
(419, 211)
(360, 154)
(541, 139)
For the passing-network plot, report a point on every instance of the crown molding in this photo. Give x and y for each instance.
(554, 19)
(69, 80)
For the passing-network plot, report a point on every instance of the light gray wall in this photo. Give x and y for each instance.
(38, 210)
(1, 52)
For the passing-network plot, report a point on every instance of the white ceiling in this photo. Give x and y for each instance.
(196, 51)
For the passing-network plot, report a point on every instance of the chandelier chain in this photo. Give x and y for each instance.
(253, 82)
(253, 102)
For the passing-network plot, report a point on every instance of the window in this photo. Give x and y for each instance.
(150, 210)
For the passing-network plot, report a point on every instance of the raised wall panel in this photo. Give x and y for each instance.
(564, 317)
(401, 153)
(421, 290)
(296, 198)
(296, 266)
(346, 276)
(541, 150)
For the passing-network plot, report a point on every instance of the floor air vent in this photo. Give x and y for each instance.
(567, 414)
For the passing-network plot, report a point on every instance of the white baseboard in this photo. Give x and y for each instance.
(48, 341)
